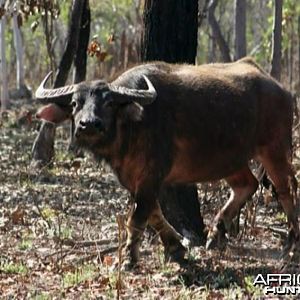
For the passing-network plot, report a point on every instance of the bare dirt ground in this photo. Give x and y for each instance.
(59, 235)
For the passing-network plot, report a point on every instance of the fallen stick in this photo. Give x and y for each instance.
(97, 253)
(73, 243)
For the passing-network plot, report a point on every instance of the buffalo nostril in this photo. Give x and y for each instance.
(82, 123)
(90, 125)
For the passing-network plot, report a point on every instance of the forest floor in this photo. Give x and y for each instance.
(59, 235)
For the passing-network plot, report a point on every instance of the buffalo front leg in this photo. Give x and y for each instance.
(174, 250)
(243, 185)
(143, 205)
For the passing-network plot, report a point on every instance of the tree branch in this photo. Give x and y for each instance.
(216, 31)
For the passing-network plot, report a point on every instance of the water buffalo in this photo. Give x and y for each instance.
(161, 124)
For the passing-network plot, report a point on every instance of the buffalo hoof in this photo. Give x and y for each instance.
(128, 265)
(290, 256)
(216, 237)
(175, 255)
(291, 249)
(130, 257)
(233, 228)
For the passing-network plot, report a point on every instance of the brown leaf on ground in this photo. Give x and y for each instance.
(17, 216)
(108, 260)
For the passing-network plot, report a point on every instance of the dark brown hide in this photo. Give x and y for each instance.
(206, 123)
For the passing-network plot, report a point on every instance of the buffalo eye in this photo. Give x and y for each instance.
(73, 103)
(110, 104)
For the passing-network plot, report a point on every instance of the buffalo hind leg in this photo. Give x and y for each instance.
(243, 185)
(174, 251)
(281, 173)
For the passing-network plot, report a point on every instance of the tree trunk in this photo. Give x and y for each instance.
(277, 38)
(84, 36)
(170, 32)
(298, 52)
(43, 150)
(19, 52)
(216, 31)
(48, 31)
(202, 13)
(3, 63)
(175, 41)
(291, 57)
(211, 55)
(71, 44)
(80, 61)
(240, 28)
(43, 146)
(22, 90)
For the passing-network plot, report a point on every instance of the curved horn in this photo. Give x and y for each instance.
(53, 94)
(143, 97)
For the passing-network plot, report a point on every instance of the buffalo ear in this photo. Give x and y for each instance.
(53, 113)
(133, 111)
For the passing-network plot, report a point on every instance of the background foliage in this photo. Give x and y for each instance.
(117, 25)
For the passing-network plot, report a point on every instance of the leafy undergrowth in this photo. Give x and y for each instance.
(59, 235)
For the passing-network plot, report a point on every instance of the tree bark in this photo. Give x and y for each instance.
(240, 29)
(3, 63)
(202, 13)
(19, 51)
(21, 91)
(43, 147)
(216, 31)
(277, 38)
(170, 31)
(298, 52)
(80, 62)
(71, 44)
(291, 57)
(84, 36)
(48, 31)
(170, 34)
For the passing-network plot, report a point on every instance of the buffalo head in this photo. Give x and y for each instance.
(94, 106)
